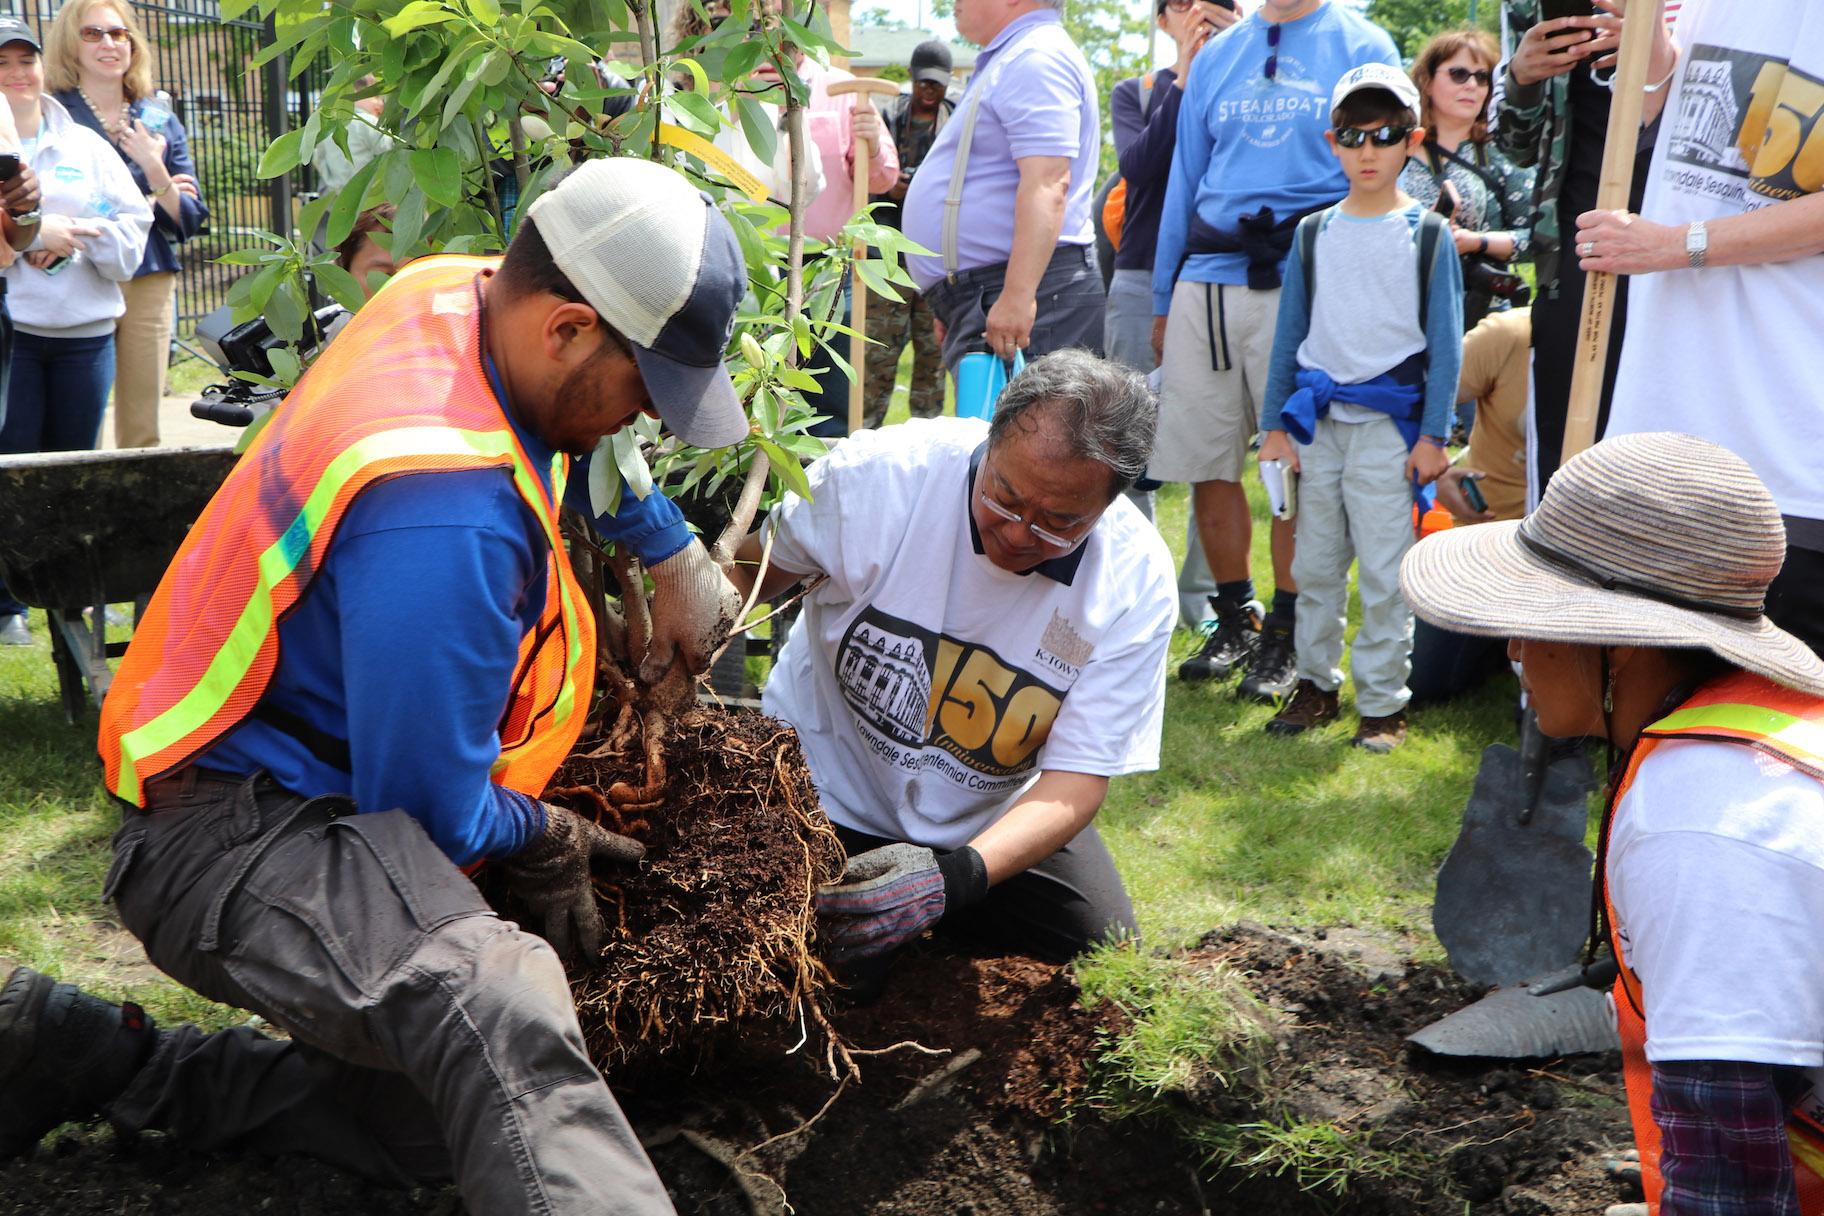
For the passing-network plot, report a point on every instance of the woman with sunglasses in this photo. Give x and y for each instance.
(99, 66)
(1460, 173)
(64, 293)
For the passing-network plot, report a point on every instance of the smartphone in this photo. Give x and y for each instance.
(1472, 493)
(1446, 205)
(57, 266)
(1228, 4)
(1551, 10)
(9, 166)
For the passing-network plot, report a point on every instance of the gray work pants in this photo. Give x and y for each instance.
(430, 1039)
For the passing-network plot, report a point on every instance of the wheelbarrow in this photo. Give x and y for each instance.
(82, 530)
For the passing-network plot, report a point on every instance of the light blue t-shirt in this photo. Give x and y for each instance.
(1041, 102)
(1247, 142)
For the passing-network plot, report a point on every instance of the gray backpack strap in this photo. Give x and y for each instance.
(1305, 238)
(1432, 230)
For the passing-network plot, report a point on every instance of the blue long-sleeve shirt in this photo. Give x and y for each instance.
(1144, 138)
(1443, 331)
(167, 233)
(406, 645)
(1247, 142)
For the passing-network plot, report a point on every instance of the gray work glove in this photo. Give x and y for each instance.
(551, 877)
(693, 608)
(890, 895)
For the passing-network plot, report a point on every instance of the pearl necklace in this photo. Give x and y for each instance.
(114, 129)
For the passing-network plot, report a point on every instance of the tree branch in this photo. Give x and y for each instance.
(746, 506)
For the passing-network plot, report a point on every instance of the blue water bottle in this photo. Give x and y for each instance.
(980, 377)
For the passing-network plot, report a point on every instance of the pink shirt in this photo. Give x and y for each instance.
(830, 121)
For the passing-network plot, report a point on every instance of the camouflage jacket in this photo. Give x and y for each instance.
(1533, 130)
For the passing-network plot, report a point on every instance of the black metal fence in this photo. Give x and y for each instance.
(231, 110)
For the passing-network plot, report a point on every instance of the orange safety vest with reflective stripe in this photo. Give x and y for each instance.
(402, 390)
(1755, 712)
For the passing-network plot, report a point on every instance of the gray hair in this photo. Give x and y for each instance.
(1104, 410)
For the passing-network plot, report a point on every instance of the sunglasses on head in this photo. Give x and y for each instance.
(116, 33)
(1383, 137)
(1463, 75)
(1177, 6)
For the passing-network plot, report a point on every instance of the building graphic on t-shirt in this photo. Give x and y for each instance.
(886, 676)
(911, 688)
(1709, 120)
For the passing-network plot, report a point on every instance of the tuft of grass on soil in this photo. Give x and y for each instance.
(1320, 1157)
(1192, 1028)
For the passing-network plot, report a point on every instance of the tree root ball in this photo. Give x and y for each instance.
(714, 929)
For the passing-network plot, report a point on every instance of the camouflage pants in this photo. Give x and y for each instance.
(893, 323)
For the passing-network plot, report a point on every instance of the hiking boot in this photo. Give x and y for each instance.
(1228, 642)
(1274, 669)
(1380, 735)
(1310, 706)
(63, 1055)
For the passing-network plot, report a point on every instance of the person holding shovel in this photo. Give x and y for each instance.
(358, 675)
(985, 649)
(1636, 596)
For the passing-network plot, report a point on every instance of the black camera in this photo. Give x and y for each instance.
(243, 347)
(1479, 275)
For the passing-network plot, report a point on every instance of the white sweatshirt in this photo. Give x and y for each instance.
(80, 175)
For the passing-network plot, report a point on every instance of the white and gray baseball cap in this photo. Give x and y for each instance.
(1376, 76)
(654, 257)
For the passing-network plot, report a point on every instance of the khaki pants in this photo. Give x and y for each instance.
(142, 352)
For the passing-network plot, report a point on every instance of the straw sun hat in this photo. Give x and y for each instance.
(1642, 540)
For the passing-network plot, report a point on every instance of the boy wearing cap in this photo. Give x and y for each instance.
(1363, 374)
(304, 765)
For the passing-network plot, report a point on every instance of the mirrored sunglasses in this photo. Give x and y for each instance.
(1383, 137)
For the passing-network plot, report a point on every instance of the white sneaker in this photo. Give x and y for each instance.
(14, 631)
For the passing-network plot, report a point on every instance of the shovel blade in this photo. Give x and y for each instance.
(1513, 896)
(1512, 1024)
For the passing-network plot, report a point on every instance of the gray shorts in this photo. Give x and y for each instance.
(1218, 343)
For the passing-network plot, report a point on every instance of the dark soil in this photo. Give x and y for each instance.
(989, 1127)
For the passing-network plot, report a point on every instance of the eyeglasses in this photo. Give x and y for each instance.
(1382, 137)
(94, 33)
(1272, 68)
(1041, 534)
(1463, 75)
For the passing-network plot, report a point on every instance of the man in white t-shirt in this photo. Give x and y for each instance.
(1727, 259)
(988, 649)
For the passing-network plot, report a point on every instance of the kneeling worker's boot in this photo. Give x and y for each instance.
(63, 1055)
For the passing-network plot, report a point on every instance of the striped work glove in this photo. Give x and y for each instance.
(888, 896)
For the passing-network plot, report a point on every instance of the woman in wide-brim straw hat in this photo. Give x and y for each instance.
(1633, 598)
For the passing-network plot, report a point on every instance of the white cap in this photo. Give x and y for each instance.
(654, 257)
(1376, 76)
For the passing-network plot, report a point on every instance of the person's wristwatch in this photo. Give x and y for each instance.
(1697, 244)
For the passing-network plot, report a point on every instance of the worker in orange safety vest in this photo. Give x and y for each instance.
(1636, 595)
(358, 676)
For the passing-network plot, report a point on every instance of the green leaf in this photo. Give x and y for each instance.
(439, 174)
(604, 479)
(459, 97)
(456, 57)
(285, 366)
(408, 224)
(285, 310)
(417, 15)
(249, 257)
(630, 461)
(283, 156)
(398, 173)
(260, 286)
(341, 285)
(699, 109)
(786, 466)
(347, 207)
(495, 67)
(742, 60)
(311, 213)
(876, 283)
(762, 135)
(486, 12)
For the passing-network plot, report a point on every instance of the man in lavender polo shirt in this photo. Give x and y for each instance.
(1023, 271)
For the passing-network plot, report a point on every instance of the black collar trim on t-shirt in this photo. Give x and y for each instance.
(1060, 569)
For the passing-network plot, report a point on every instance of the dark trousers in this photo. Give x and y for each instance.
(1071, 300)
(1795, 601)
(56, 393)
(430, 1038)
(1056, 910)
(1555, 325)
(1446, 664)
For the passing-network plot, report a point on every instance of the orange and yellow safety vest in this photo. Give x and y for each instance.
(402, 390)
(1755, 712)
